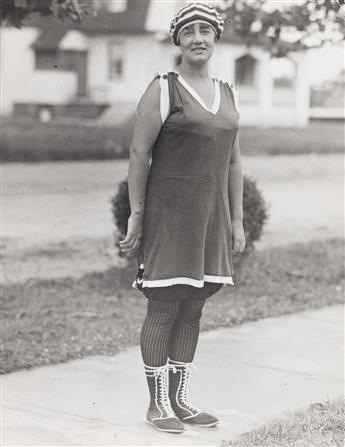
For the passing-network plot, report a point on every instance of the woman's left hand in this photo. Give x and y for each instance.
(238, 237)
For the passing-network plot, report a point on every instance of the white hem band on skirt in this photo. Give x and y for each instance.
(183, 280)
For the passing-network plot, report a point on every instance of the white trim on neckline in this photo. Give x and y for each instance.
(216, 102)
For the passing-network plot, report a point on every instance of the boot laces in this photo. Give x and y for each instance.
(162, 398)
(183, 392)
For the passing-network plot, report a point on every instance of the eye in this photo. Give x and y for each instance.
(206, 30)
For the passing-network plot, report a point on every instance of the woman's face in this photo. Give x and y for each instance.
(197, 42)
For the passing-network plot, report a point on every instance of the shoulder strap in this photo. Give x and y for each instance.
(164, 102)
(234, 94)
(164, 97)
(166, 92)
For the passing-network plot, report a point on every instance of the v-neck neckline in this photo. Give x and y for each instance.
(216, 101)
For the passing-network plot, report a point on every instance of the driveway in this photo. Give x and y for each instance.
(57, 217)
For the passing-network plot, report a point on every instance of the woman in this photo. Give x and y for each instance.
(186, 211)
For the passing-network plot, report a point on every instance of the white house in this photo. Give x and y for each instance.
(101, 68)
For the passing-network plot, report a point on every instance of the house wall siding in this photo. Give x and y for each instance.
(260, 105)
(141, 61)
(21, 82)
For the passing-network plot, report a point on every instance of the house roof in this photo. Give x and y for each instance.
(131, 21)
(50, 36)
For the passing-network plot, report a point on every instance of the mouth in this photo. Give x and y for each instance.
(199, 49)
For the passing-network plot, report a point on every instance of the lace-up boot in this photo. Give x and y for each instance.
(179, 374)
(160, 413)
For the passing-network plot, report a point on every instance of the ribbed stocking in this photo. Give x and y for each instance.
(185, 334)
(156, 331)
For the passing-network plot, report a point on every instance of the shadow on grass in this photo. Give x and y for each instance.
(52, 321)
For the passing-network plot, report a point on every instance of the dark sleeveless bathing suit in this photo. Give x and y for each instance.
(187, 234)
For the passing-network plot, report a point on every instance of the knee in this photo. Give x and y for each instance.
(191, 317)
(165, 319)
(193, 320)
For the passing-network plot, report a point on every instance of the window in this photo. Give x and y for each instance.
(46, 60)
(284, 72)
(245, 70)
(56, 59)
(116, 60)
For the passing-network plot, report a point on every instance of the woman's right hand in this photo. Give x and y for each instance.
(131, 242)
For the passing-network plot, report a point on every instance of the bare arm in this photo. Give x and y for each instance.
(235, 188)
(236, 183)
(146, 129)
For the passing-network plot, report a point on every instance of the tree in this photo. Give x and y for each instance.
(14, 12)
(293, 27)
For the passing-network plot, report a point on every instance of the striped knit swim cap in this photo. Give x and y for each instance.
(196, 12)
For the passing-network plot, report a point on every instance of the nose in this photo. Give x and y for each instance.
(197, 37)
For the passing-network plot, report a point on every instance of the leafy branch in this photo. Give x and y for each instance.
(306, 25)
(14, 12)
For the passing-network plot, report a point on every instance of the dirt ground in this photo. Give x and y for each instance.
(57, 221)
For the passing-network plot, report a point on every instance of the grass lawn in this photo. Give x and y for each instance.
(51, 321)
(33, 141)
(318, 138)
(319, 425)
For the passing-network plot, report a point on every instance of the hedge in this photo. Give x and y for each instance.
(34, 141)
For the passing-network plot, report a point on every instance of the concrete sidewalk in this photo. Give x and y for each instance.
(246, 375)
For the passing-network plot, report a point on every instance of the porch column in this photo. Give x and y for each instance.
(265, 87)
(302, 90)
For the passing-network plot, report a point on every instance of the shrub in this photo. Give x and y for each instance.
(254, 213)
(121, 208)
